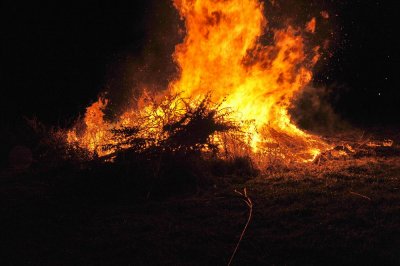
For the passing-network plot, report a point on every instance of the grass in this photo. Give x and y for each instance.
(337, 212)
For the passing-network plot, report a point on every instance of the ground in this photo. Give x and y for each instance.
(339, 212)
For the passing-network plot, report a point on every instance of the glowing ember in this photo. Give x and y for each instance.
(222, 54)
(324, 14)
(311, 25)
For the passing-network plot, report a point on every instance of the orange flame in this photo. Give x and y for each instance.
(223, 54)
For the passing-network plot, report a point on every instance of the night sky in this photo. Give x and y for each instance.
(57, 56)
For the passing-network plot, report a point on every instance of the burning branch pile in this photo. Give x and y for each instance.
(173, 125)
(221, 60)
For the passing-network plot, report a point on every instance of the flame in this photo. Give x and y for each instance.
(96, 131)
(222, 53)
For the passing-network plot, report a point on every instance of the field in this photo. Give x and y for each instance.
(336, 212)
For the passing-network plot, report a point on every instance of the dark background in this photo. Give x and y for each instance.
(58, 56)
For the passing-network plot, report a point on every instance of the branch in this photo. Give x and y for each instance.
(249, 203)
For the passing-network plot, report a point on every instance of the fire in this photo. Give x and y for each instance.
(97, 129)
(222, 54)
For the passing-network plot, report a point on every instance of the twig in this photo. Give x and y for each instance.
(249, 203)
(360, 195)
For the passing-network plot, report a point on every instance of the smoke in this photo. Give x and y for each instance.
(312, 110)
(313, 107)
(152, 68)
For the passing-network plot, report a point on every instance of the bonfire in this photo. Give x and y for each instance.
(231, 77)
